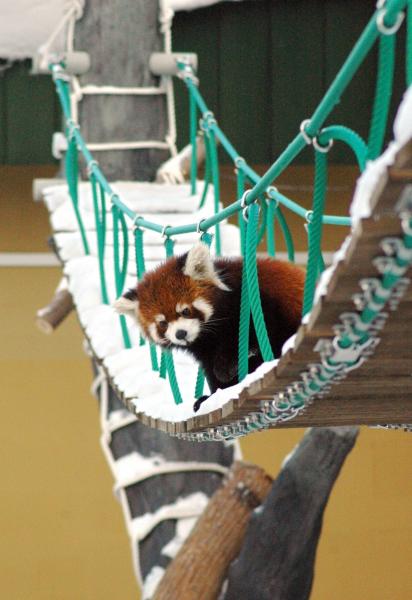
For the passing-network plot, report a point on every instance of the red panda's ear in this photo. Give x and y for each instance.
(199, 266)
(126, 304)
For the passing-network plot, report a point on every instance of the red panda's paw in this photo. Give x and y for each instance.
(198, 402)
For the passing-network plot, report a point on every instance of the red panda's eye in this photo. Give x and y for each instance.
(186, 312)
(163, 324)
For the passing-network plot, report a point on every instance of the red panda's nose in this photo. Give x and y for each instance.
(181, 334)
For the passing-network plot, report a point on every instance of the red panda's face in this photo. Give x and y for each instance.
(173, 303)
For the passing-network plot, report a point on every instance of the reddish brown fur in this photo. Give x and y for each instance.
(216, 347)
(285, 281)
(161, 289)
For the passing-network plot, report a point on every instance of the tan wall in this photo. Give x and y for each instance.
(61, 530)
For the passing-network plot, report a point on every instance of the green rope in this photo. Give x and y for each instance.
(383, 93)
(193, 132)
(208, 175)
(408, 66)
(253, 232)
(200, 383)
(100, 222)
(244, 316)
(171, 374)
(162, 368)
(141, 269)
(206, 238)
(216, 185)
(270, 227)
(253, 285)
(349, 137)
(262, 227)
(120, 271)
(167, 357)
(315, 230)
(240, 190)
(72, 174)
(290, 248)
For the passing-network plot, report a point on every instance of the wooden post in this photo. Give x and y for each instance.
(59, 307)
(199, 569)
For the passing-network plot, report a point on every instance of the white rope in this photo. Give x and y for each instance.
(101, 147)
(77, 92)
(166, 15)
(118, 419)
(111, 90)
(190, 506)
(134, 468)
(73, 12)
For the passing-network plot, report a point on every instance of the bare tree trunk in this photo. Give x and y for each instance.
(120, 36)
(149, 495)
(279, 549)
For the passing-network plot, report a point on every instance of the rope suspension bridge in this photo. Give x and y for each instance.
(350, 361)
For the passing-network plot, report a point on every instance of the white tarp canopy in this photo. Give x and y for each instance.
(25, 25)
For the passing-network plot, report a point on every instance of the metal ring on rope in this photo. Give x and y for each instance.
(406, 223)
(239, 162)
(384, 29)
(204, 126)
(59, 73)
(309, 216)
(272, 189)
(90, 166)
(245, 206)
(305, 135)
(163, 233)
(135, 224)
(321, 148)
(72, 126)
(198, 225)
(313, 141)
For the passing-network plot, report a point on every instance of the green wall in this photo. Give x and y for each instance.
(263, 66)
(29, 114)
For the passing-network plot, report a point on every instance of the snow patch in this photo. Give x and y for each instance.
(190, 506)
(151, 582)
(183, 529)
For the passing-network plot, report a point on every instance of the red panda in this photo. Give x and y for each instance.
(192, 302)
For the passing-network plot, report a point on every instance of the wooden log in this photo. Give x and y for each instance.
(177, 169)
(278, 554)
(199, 568)
(60, 306)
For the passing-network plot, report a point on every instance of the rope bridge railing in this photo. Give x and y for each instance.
(259, 204)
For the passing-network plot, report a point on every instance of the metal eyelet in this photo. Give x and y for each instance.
(384, 29)
(320, 148)
(163, 233)
(90, 166)
(198, 230)
(305, 135)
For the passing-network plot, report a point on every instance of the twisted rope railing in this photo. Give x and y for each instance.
(382, 26)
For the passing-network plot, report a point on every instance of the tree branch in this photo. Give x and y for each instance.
(279, 549)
